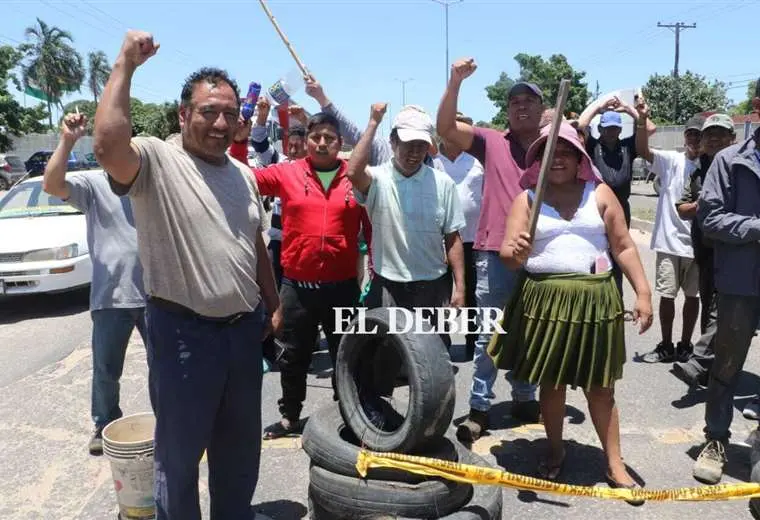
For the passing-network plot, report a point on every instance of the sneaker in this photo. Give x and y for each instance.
(690, 373)
(96, 442)
(684, 352)
(663, 353)
(708, 468)
(473, 427)
(752, 410)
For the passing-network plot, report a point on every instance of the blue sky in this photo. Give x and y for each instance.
(360, 49)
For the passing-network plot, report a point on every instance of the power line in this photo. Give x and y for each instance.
(677, 28)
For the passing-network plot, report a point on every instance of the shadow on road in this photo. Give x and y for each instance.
(26, 307)
(584, 465)
(281, 509)
(749, 385)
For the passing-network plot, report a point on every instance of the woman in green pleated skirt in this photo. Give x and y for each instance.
(564, 325)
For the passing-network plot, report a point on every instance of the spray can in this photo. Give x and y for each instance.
(249, 106)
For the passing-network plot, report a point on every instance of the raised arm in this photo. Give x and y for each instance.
(381, 149)
(447, 126)
(597, 107)
(54, 180)
(113, 126)
(642, 138)
(357, 166)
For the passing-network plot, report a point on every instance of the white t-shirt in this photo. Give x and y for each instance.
(671, 234)
(410, 217)
(467, 173)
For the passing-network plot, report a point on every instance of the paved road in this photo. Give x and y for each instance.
(643, 200)
(46, 473)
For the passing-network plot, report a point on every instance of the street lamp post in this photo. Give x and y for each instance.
(403, 89)
(446, 4)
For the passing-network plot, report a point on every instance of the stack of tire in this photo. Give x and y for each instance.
(333, 436)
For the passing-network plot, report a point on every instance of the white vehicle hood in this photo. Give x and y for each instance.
(19, 235)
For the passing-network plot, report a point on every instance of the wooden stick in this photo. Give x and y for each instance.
(546, 164)
(284, 39)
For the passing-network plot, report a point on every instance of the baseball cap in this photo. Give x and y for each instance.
(412, 123)
(524, 87)
(695, 123)
(611, 118)
(719, 120)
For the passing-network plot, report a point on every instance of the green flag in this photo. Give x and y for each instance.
(35, 91)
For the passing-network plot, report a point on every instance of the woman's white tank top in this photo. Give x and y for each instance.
(578, 245)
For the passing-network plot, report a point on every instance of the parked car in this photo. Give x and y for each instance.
(35, 165)
(43, 242)
(91, 162)
(12, 169)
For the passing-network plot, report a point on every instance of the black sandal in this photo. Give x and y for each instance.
(278, 430)
(551, 472)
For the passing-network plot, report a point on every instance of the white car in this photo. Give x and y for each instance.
(43, 242)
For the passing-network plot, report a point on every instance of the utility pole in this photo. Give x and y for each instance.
(676, 28)
(403, 89)
(446, 4)
(597, 93)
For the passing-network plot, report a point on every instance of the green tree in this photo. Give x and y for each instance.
(86, 107)
(15, 119)
(53, 66)
(695, 95)
(547, 74)
(158, 120)
(745, 107)
(97, 73)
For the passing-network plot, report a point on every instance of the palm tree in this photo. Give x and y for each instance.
(54, 66)
(99, 70)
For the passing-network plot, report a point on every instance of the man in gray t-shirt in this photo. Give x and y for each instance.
(208, 281)
(117, 299)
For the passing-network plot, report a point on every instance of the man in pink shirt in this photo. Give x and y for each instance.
(502, 155)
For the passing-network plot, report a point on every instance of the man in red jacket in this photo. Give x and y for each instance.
(320, 228)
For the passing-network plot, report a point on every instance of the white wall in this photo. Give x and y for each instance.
(25, 146)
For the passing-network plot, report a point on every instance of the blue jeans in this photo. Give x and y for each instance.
(207, 379)
(494, 286)
(111, 330)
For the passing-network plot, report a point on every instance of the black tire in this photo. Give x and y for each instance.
(342, 495)
(331, 445)
(432, 391)
(485, 503)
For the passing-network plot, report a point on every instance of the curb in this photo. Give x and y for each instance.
(642, 225)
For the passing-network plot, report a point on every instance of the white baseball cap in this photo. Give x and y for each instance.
(412, 123)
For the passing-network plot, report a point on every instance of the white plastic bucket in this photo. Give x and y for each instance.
(128, 444)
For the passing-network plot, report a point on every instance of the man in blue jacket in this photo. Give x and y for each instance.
(728, 212)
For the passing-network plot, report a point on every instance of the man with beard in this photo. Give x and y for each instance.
(321, 221)
(671, 240)
(717, 134)
(502, 155)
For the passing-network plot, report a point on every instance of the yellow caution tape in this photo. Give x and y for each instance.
(468, 474)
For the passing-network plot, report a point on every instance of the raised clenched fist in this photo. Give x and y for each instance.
(138, 47)
(74, 126)
(378, 112)
(463, 69)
